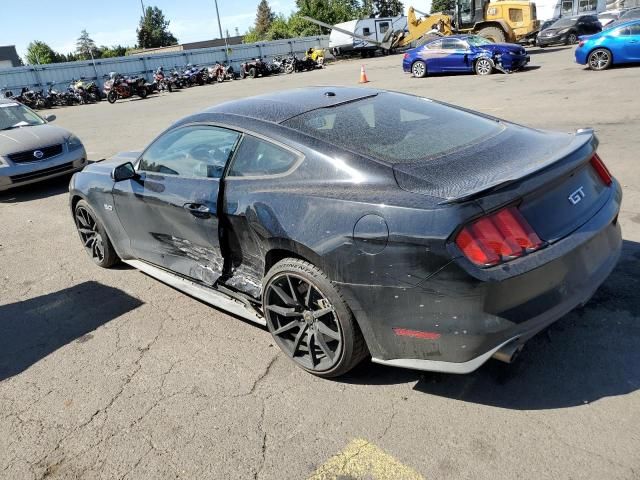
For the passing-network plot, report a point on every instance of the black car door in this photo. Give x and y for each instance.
(170, 212)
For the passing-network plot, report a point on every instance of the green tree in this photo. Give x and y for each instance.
(153, 31)
(111, 52)
(264, 18)
(85, 46)
(367, 10)
(40, 53)
(388, 8)
(442, 5)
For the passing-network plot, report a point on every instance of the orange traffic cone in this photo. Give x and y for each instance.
(363, 75)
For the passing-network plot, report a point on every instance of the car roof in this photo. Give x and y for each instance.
(277, 107)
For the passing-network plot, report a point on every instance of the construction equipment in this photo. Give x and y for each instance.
(499, 21)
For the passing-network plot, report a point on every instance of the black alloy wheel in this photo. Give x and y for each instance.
(94, 238)
(310, 321)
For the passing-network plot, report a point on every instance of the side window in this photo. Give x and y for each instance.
(197, 151)
(257, 157)
(623, 32)
(634, 29)
(384, 26)
(453, 44)
(437, 45)
(515, 15)
(366, 32)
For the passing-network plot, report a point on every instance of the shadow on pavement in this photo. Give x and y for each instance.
(32, 329)
(592, 353)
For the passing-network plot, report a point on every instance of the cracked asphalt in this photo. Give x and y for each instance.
(110, 374)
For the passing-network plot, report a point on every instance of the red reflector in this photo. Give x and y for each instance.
(602, 170)
(581, 43)
(499, 237)
(406, 55)
(403, 332)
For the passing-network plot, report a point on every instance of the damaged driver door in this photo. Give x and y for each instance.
(170, 210)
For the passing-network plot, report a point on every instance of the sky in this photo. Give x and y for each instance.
(114, 22)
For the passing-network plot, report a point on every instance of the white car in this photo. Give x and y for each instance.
(32, 150)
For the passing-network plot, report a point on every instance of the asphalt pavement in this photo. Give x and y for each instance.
(111, 374)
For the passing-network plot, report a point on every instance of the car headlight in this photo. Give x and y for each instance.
(73, 142)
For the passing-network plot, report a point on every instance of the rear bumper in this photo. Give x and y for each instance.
(15, 175)
(469, 320)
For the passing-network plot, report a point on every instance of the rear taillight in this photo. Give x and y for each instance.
(603, 172)
(498, 238)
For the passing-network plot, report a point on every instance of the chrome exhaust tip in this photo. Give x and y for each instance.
(509, 353)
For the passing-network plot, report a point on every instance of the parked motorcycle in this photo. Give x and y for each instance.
(194, 76)
(220, 72)
(254, 68)
(88, 92)
(124, 87)
(162, 82)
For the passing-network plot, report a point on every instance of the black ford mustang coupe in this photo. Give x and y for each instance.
(355, 222)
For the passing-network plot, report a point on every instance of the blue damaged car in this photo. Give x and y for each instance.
(464, 53)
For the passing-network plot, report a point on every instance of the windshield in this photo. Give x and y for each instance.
(477, 41)
(15, 115)
(396, 128)
(564, 22)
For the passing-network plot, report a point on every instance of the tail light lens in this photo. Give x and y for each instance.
(498, 238)
(602, 170)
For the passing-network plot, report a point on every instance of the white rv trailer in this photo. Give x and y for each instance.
(373, 28)
(548, 9)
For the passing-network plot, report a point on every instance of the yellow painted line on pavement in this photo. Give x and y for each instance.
(363, 460)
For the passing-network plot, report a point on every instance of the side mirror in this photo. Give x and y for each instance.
(126, 171)
(50, 118)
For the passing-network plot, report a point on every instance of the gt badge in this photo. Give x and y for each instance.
(576, 196)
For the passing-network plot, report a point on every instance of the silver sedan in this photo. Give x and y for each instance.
(32, 150)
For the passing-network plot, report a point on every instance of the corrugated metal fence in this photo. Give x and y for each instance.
(61, 74)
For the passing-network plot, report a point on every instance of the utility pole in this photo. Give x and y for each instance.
(142, 5)
(226, 45)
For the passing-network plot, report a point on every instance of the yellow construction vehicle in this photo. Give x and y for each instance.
(499, 21)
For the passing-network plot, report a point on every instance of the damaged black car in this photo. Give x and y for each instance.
(359, 223)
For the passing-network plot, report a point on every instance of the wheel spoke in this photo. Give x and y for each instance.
(322, 312)
(294, 294)
(311, 347)
(298, 339)
(284, 311)
(86, 231)
(325, 330)
(285, 298)
(89, 241)
(307, 298)
(323, 346)
(287, 327)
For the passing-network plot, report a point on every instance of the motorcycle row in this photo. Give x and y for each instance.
(117, 86)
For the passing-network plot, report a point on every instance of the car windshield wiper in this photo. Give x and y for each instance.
(18, 125)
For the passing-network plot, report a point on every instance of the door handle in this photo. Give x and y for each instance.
(198, 210)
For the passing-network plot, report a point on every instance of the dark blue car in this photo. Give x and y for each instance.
(464, 53)
(620, 44)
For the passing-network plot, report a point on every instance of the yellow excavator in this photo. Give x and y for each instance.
(498, 21)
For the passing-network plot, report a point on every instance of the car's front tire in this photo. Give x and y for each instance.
(599, 59)
(419, 69)
(93, 236)
(309, 320)
(483, 66)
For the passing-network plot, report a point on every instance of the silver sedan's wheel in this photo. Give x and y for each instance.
(484, 66)
(600, 59)
(419, 69)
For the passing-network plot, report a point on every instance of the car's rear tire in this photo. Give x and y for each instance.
(419, 69)
(599, 59)
(93, 236)
(572, 39)
(483, 66)
(309, 320)
(495, 34)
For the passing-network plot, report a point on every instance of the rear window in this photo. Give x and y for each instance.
(396, 128)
